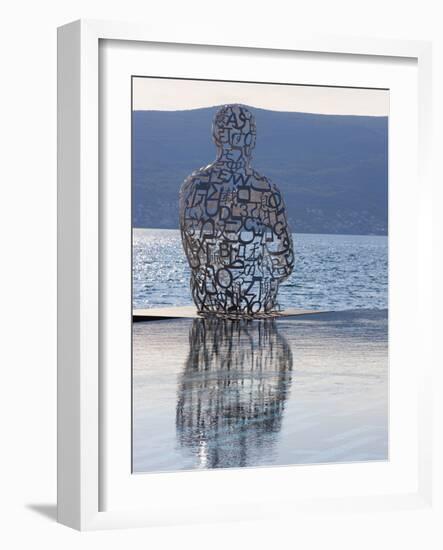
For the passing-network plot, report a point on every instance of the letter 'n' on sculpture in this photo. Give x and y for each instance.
(233, 225)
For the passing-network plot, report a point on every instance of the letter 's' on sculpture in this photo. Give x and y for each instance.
(233, 226)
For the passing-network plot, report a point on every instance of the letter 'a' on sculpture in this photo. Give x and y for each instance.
(233, 226)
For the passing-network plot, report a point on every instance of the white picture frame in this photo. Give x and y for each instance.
(81, 394)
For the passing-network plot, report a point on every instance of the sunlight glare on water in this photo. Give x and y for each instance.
(333, 272)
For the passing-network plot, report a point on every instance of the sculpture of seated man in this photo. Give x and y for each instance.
(233, 226)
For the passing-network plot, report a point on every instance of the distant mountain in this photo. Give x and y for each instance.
(331, 169)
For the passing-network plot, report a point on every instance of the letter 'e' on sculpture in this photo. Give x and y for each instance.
(233, 226)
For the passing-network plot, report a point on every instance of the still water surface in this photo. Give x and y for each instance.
(211, 393)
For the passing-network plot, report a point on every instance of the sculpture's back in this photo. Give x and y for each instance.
(233, 225)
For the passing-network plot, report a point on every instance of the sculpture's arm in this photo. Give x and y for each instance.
(189, 222)
(279, 242)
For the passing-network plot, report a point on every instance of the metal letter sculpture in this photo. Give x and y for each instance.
(233, 226)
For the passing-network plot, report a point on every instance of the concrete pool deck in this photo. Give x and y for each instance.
(190, 312)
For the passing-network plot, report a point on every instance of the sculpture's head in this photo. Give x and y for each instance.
(233, 128)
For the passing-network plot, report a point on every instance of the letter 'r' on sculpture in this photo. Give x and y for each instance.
(233, 226)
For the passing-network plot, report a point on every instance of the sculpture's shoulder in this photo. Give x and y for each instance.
(196, 177)
(265, 185)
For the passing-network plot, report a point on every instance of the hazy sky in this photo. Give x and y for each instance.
(172, 95)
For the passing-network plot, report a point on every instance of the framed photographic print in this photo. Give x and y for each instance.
(277, 338)
(242, 272)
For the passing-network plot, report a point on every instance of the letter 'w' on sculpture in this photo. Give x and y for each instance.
(233, 226)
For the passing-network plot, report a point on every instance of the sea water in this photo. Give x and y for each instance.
(332, 272)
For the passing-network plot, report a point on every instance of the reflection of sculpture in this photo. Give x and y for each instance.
(233, 391)
(233, 225)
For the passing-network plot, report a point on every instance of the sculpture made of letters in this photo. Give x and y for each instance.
(233, 226)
